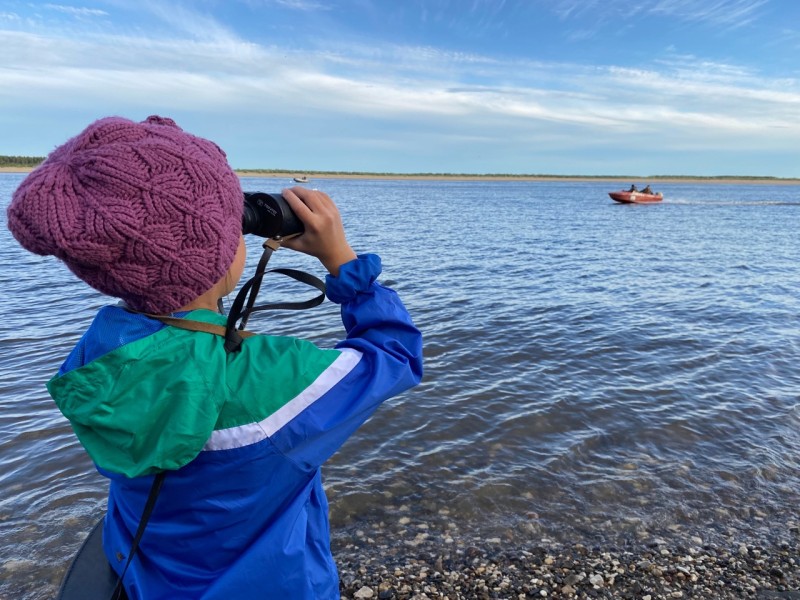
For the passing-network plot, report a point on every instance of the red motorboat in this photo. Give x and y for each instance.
(626, 197)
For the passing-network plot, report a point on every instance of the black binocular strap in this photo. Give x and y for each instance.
(235, 335)
(249, 291)
(270, 246)
(158, 480)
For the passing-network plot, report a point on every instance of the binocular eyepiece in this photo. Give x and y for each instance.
(269, 216)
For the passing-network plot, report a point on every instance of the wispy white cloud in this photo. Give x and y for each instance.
(222, 73)
(789, 37)
(720, 12)
(297, 5)
(76, 11)
(303, 5)
(188, 21)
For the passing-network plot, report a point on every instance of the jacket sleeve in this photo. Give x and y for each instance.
(380, 358)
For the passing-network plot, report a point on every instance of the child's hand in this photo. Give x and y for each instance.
(324, 233)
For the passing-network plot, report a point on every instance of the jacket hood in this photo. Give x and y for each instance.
(150, 404)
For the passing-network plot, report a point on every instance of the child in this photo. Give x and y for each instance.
(152, 215)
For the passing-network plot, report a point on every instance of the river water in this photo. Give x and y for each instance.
(594, 372)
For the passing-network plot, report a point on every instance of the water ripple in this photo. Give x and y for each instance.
(593, 371)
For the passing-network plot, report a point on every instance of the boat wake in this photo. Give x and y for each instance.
(688, 201)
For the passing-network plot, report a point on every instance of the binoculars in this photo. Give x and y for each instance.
(269, 216)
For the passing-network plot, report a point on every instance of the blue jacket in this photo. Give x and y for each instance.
(242, 512)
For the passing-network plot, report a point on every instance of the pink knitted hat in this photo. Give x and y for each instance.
(142, 211)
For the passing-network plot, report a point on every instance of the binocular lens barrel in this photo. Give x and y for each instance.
(269, 216)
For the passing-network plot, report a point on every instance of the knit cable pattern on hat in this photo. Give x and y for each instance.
(141, 211)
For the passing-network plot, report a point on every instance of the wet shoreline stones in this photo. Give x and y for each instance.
(410, 561)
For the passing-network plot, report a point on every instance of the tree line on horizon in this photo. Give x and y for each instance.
(34, 161)
(514, 175)
(20, 161)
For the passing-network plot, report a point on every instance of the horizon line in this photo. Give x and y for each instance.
(33, 162)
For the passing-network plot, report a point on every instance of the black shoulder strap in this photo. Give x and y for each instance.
(243, 305)
(158, 480)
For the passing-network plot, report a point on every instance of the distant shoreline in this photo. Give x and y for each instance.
(565, 178)
(467, 177)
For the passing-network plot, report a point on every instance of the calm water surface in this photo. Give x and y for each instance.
(594, 371)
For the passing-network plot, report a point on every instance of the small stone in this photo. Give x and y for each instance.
(364, 592)
(596, 579)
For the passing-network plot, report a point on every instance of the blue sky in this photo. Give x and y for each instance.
(624, 87)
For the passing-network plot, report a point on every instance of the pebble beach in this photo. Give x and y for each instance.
(411, 562)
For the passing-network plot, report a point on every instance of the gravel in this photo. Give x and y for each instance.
(411, 561)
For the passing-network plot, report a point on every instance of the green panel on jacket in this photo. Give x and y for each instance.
(151, 404)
